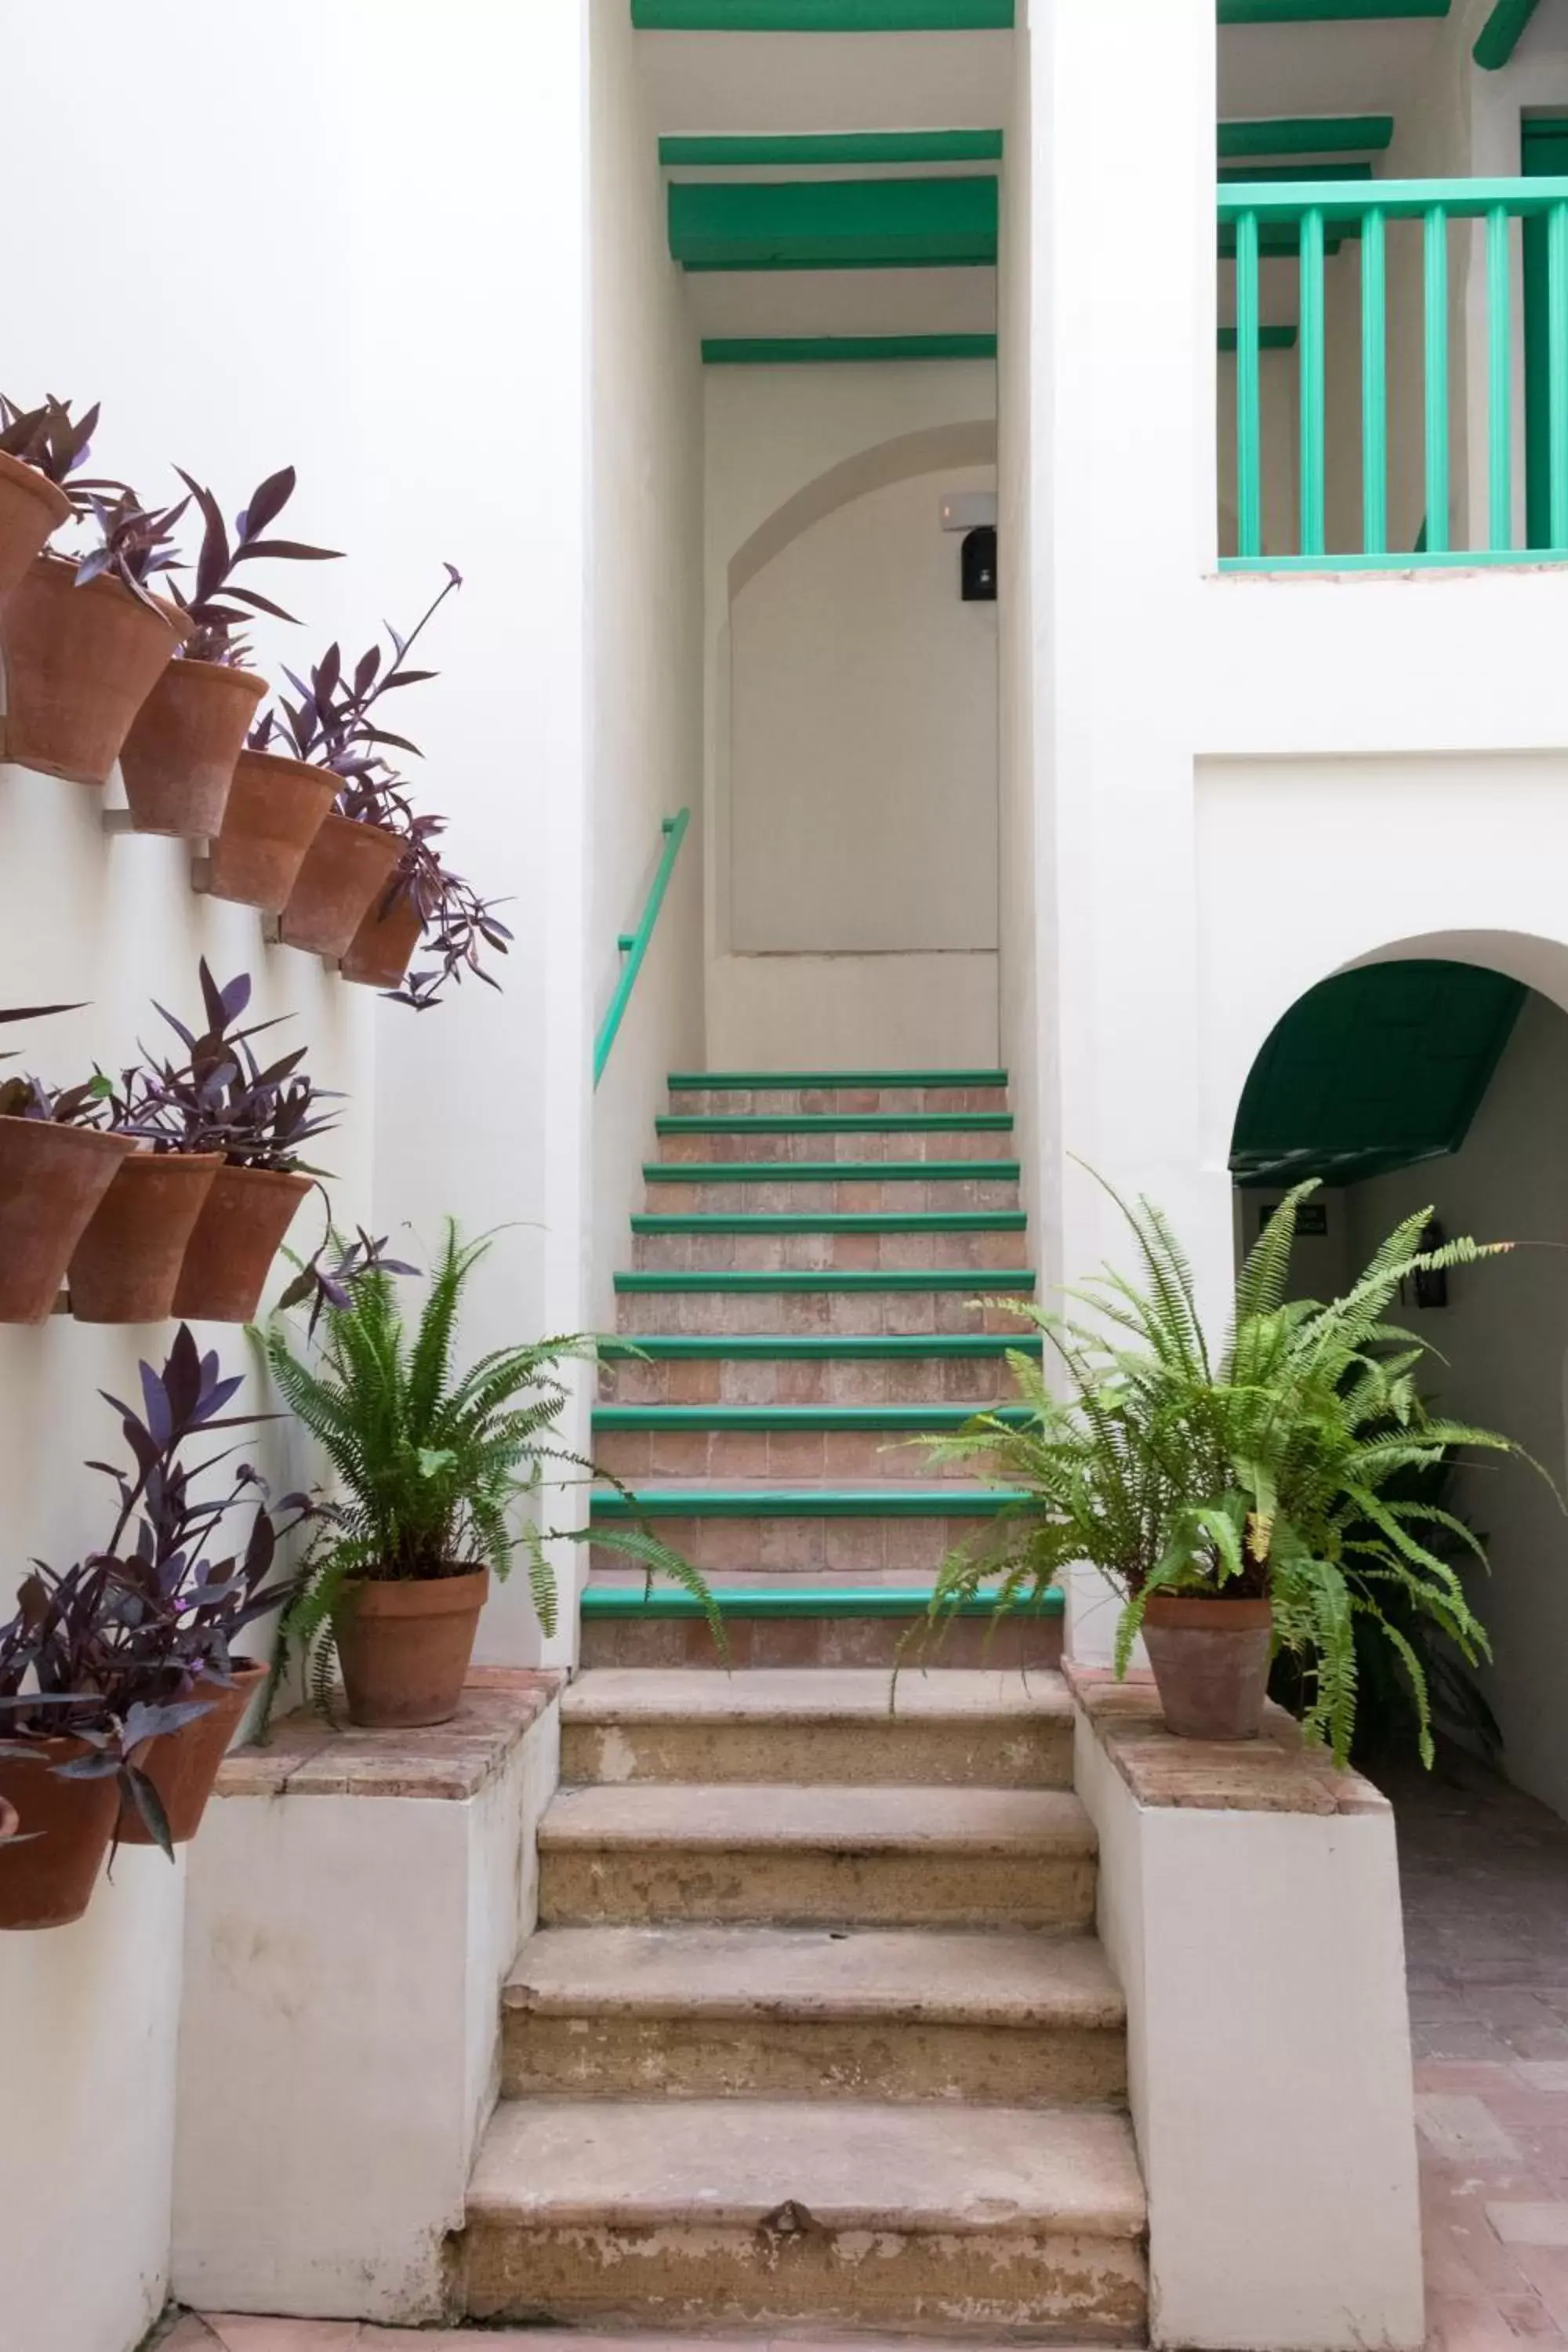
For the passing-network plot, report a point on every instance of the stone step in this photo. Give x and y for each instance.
(938, 1300)
(886, 1135)
(811, 1369)
(992, 1731)
(697, 2214)
(807, 1623)
(823, 1241)
(1009, 2018)
(843, 1445)
(737, 1852)
(745, 1093)
(865, 1532)
(846, 1189)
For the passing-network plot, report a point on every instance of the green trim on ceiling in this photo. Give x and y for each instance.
(1500, 36)
(635, 1600)
(1270, 338)
(1325, 12)
(1373, 1070)
(840, 351)
(941, 224)
(837, 147)
(1306, 134)
(821, 15)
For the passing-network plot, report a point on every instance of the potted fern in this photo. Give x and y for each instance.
(433, 1466)
(1256, 1500)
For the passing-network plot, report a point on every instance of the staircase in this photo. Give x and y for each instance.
(814, 2033)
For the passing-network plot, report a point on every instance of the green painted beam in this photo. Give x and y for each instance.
(749, 1081)
(917, 1417)
(840, 351)
(753, 225)
(807, 148)
(815, 1278)
(821, 15)
(818, 1347)
(1270, 338)
(1306, 134)
(1326, 12)
(830, 1172)
(867, 1122)
(825, 1220)
(941, 1498)
(634, 1601)
(1500, 36)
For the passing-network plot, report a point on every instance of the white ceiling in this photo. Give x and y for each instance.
(843, 301)
(1356, 68)
(825, 82)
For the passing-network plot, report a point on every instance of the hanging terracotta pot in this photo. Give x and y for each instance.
(80, 664)
(127, 1263)
(31, 508)
(405, 1647)
(178, 760)
(347, 868)
(1211, 1663)
(47, 1874)
(182, 1765)
(52, 1178)
(383, 948)
(237, 1234)
(275, 810)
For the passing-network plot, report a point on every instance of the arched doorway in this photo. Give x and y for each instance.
(1416, 1080)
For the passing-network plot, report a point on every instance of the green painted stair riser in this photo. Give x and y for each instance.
(938, 1500)
(971, 1278)
(849, 1347)
(935, 1220)
(831, 1172)
(911, 1601)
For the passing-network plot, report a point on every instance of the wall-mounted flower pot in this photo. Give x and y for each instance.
(31, 508)
(384, 946)
(275, 810)
(178, 760)
(52, 1178)
(80, 664)
(347, 868)
(405, 1647)
(47, 1874)
(126, 1266)
(238, 1233)
(182, 1765)
(1211, 1663)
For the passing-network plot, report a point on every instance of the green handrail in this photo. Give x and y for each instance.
(634, 945)
(1310, 217)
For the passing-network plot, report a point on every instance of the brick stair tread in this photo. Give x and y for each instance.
(811, 1696)
(961, 2171)
(966, 1977)
(776, 1817)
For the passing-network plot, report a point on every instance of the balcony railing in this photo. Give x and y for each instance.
(1294, 227)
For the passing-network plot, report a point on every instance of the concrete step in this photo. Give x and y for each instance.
(821, 1241)
(846, 1188)
(749, 1093)
(816, 1726)
(805, 1369)
(789, 1855)
(891, 1136)
(934, 1300)
(869, 1533)
(1007, 2018)
(806, 1623)
(698, 2214)
(842, 1444)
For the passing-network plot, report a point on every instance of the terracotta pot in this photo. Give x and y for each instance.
(237, 1236)
(80, 664)
(347, 868)
(182, 1765)
(127, 1263)
(30, 509)
(179, 758)
(383, 947)
(404, 1648)
(1211, 1663)
(46, 1878)
(51, 1180)
(275, 810)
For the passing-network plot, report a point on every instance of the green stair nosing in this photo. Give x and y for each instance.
(772, 1600)
(869, 1122)
(939, 1499)
(830, 1172)
(812, 1278)
(787, 1081)
(919, 1418)
(829, 1220)
(851, 1346)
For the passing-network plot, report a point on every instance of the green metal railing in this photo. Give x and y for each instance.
(634, 945)
(1310, 220)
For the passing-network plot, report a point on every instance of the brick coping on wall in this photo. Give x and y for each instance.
(1277, 1773)
(306, 1758)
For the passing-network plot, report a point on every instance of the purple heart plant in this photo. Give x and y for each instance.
(218, 607)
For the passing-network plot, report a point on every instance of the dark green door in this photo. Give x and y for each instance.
(1545, 157)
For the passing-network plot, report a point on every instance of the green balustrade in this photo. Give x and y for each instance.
(1309, 222)
(634, 945)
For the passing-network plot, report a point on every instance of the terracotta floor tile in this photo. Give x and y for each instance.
(1522, 2224)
